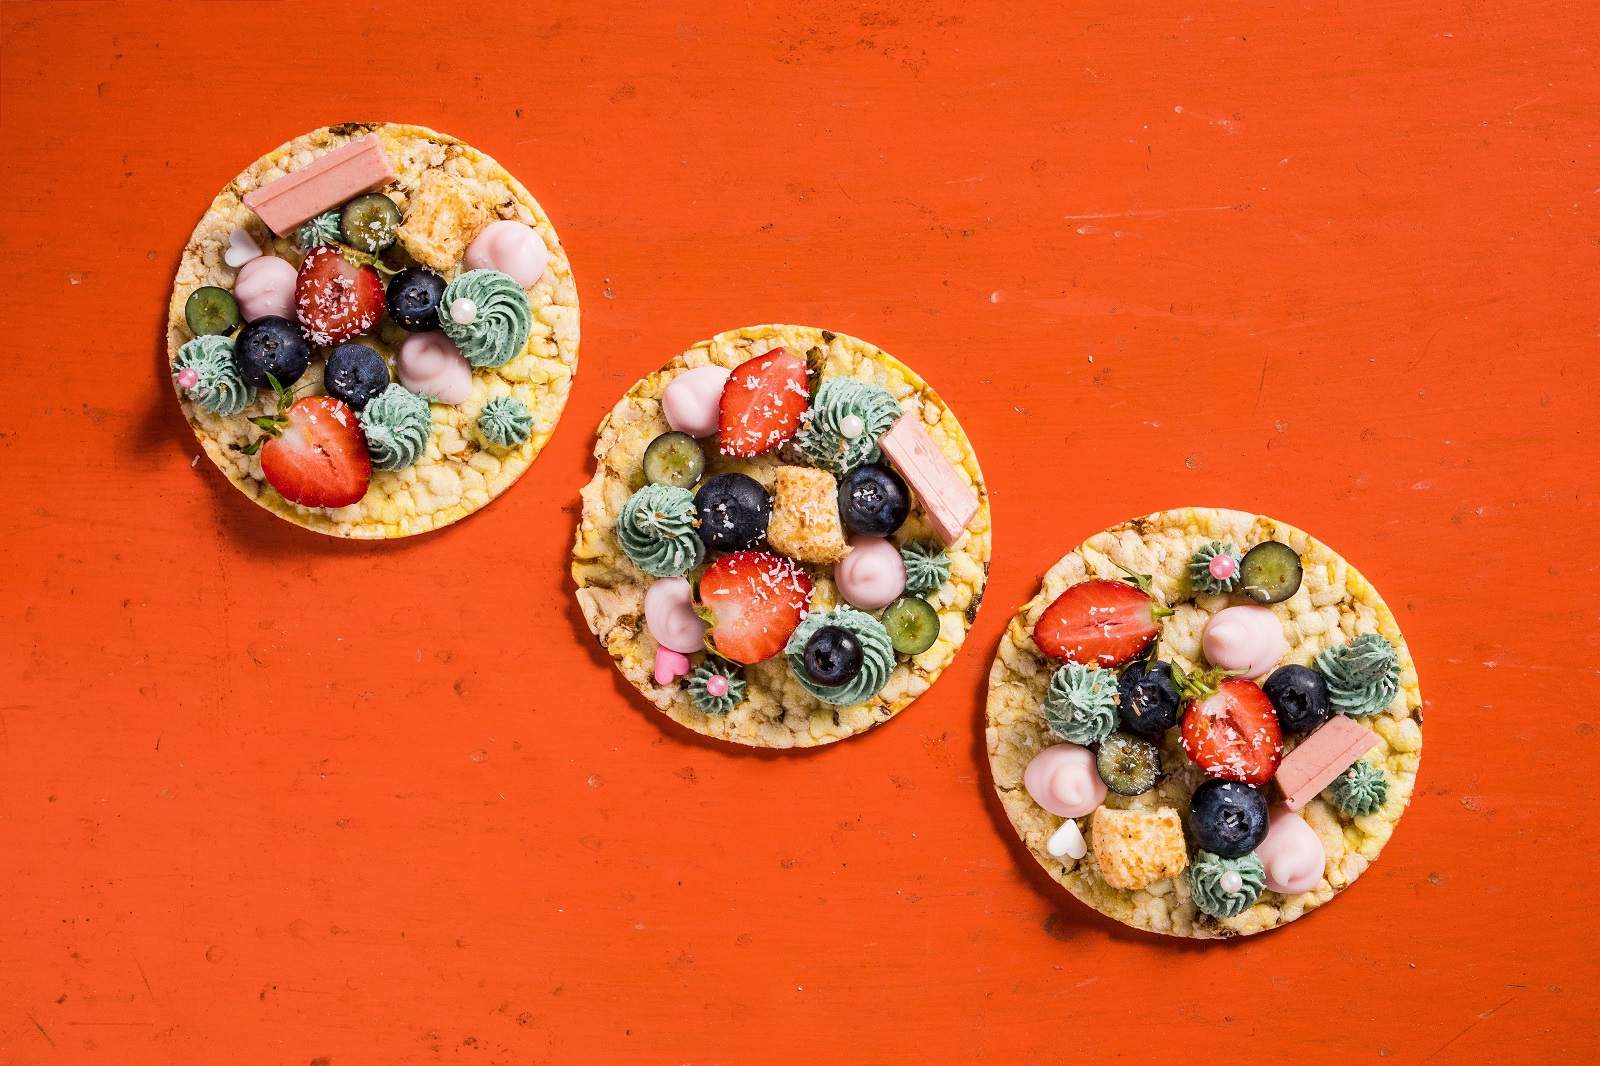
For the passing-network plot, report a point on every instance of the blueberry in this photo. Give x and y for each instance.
(355, 374)
(1300, 696)
(1147, 699)
(271, 345)
(833, 656)
(733, 510)
(1227, 818)
(873, 500)
(413, 299)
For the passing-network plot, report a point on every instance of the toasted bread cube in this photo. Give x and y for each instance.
(442, 218)
(1138, 848)
(805, 516)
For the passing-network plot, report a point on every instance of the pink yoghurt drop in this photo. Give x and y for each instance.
(1292, 854)
(693, 400)
(1063, 780)
(430, 364)
(670, 665)
(1222, 567)
(512, 248)
(1246, 640)
(669, 612)
(873, 575)
(265, 286)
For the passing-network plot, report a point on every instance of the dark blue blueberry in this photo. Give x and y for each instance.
(873, 500)
(833, 656)
(733, 511)
(1147, 699)
(1227, 818)
(355, 374)
(1300, 696)
(271, 345)
(413, 299)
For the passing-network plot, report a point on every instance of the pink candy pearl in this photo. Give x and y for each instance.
(716, 685)
(1223, 567)
(188, 378)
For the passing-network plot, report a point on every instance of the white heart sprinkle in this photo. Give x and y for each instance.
(241, 249)
(1068, 840)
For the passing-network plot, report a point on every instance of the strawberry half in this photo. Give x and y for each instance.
(762, 403)
(334, 298)
(1232, 731)
(313, 451)
(756, 601)
(1099, 623)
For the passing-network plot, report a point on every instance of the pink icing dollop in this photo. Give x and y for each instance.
(265, 286)
(1292, 854)
(1246, 640)
(1222, 567)
(693, 400)
(669, 665)
(511, 248)
(669, 613)
(1063, 780)
(430, 364)
(873, 575)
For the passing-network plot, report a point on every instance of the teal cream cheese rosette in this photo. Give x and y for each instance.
(486, 313)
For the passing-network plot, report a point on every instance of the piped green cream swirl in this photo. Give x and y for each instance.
(1360, 790)
(506, 421)
(500, 322)
(1080, 704)
(1206, 873)
(656, 529)
(822, 439)
(877, 655)
(220, 389)
(319, 230)
(1363, 675)
(1200, 576)
(927, 567)
(703, 699)
(397, 424)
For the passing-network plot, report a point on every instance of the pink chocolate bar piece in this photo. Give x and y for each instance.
(328, 181)
(1335, 747)
(946, 498)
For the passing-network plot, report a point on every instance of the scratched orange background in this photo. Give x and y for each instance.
(266, 797)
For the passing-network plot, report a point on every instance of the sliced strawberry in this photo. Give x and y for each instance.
(334, 298)
(1099, 623)
(756, 600)
(762, 403)
(316, 454)
(1232, 733)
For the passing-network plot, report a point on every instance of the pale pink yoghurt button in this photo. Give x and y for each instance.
(265, 286)
(1063, 780)
(1245, 640)
(669, 612)
(430, 364)
(693, 400)
(511, 248)
(873, 575)
(1292, 854)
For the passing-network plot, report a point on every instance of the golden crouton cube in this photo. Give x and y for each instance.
(442, 217)
(1137, 848)
(805, 516)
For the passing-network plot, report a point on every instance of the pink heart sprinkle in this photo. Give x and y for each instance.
(716, 685)
(188, 377)
(1222, 567)
(669, 665)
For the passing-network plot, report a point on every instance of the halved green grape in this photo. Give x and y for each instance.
(369, 223)
(211, 311)
(674, 459)
(1270, 572)
(912, 623)
(1129, 765)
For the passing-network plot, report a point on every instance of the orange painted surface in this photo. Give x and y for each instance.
(269, 798)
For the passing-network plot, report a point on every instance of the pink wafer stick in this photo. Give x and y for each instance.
(328, 181)
(946, 498)
(1335, 747)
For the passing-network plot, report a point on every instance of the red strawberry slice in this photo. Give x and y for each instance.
(1099, 623)
(762, 403)
(1233, 733)
(334, 298)
(317, 454)
(756, 600)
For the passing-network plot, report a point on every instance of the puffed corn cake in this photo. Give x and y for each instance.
(1333, 605)
(448, 190)
(777, 712)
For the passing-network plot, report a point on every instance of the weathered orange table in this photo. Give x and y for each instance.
(265, 797)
